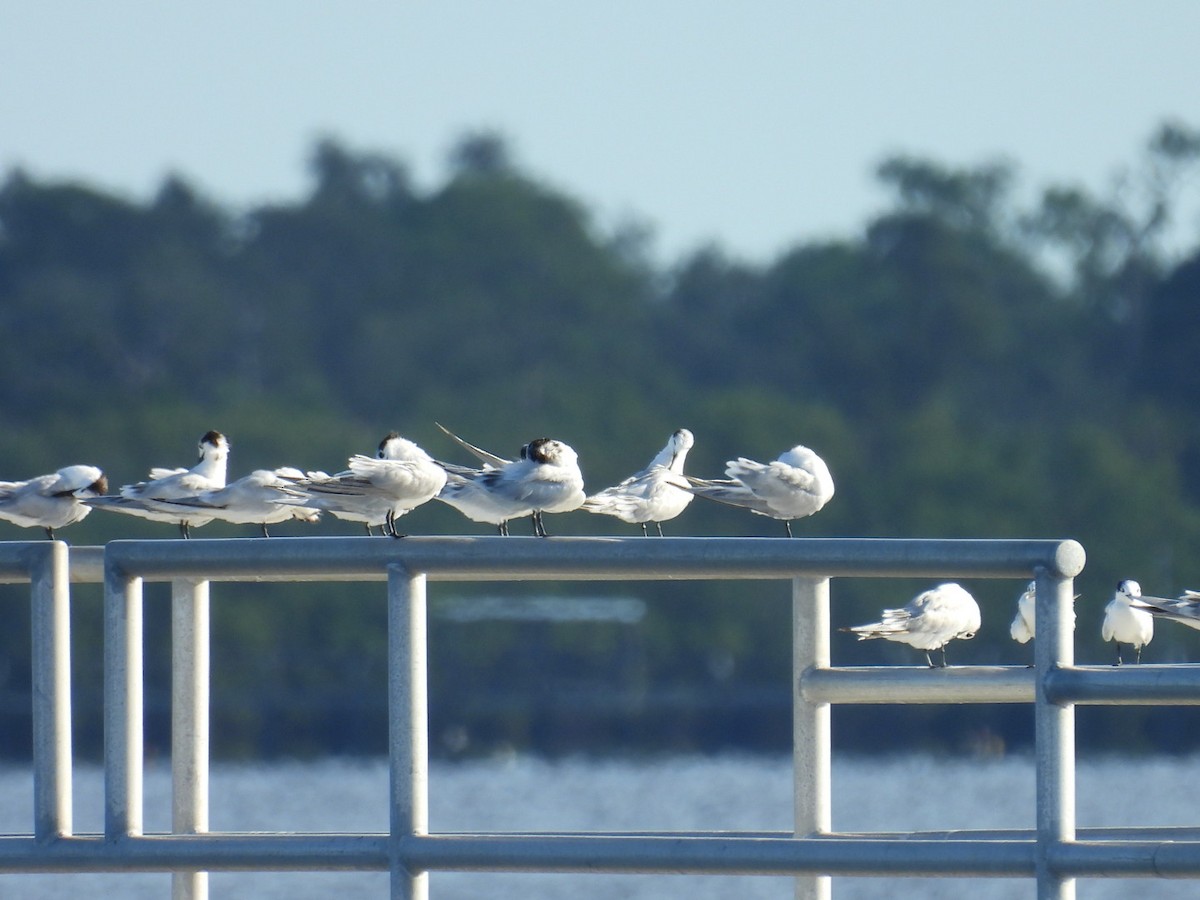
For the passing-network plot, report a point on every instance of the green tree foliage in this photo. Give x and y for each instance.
(968, 368)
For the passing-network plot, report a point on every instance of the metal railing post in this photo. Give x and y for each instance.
(51, 650)
(123, 702)
(810, 724)
(408, 729)
(1054, 733)
(189, 723)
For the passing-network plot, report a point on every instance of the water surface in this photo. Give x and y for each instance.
(516, 793)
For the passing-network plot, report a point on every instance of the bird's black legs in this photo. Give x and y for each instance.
(539, 527)
(645, 533)
(503, 528)
(788, 526)
(1118, 662)
(185, 530)
(390, 525)
(50, 533)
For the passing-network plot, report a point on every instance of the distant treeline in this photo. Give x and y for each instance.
(967, 365)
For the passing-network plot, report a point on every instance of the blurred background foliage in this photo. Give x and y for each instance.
(973, 364)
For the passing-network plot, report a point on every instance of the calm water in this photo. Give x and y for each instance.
(677, 794)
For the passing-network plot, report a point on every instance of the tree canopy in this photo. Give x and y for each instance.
(968, 367)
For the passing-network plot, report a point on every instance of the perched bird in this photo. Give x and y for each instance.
(1023, 624)
(656, 494)
(929, 621)
(482, 496)
(376, 489)
(1185, 609)
(370, 511)
(146, 498)
(51, 501)
(796, 485)
(546, 479)
(259, 498)
(1127, 620)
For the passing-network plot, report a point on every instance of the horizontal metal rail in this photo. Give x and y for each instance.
(888, 684)
(1126, 859)
(1141, 685)
(1108, 853)
(564, 853)
(608, 559)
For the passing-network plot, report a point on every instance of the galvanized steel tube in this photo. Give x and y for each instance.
(50, 614)
(1173, 685)
(1054, 734)
(725, 855)
(1100, 852)
(189, 723)
(87, 565)
(811, 745)
(123, 700)
(408, 735)
(558, 558)
(1129, 859)
(893, 684)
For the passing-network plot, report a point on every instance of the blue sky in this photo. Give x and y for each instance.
(752, 125)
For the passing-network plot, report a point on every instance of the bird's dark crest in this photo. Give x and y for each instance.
(391, 435)
(536, 450)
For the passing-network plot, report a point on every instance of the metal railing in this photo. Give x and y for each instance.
(44, 566)
(1053, 853)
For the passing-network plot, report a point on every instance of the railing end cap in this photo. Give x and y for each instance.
(1069, 558)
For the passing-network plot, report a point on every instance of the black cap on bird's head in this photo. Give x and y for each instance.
(213, 439)
(390, 436)
(538, 450)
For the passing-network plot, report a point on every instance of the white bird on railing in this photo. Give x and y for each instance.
(482, 495)
(51, 501)
(656, 494)
(929, 621)
(1024, 622)
(1023, 628)
(143, 498)
(795, 485)
(546, 479)
(260, 498)
(1127, 619)
(375, 490)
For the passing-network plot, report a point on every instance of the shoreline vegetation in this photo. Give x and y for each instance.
(969, 364)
